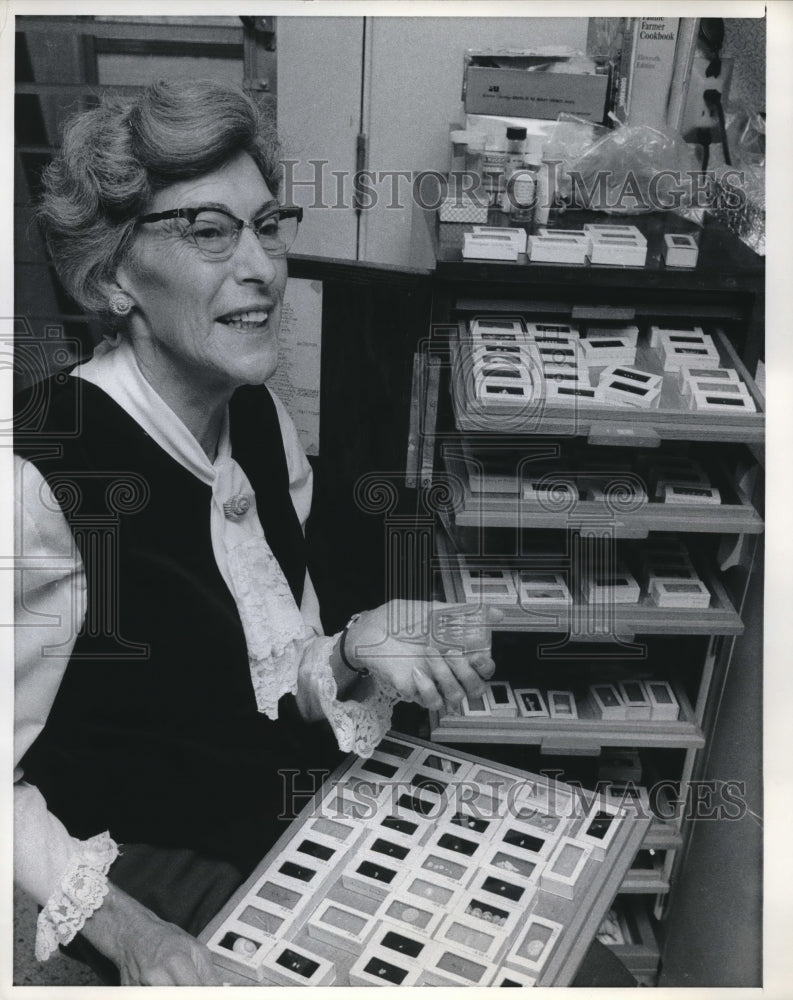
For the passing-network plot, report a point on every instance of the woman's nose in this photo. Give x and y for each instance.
(252, 261)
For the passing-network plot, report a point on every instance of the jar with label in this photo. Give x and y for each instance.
(494, 167)
(516, 148)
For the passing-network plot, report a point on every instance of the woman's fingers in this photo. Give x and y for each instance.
(427, 693)
(466, 674)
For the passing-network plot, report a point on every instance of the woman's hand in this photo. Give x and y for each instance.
(147, 951)
(433, 654)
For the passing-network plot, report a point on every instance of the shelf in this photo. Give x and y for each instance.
(584, 735)
(630, 517)
(613, 425)
(663, 835)
(639, 881)
(587, 622)
(641, 955)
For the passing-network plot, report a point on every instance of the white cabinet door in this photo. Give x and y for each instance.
(319, 110)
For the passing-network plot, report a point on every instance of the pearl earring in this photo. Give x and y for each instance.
(120, 304)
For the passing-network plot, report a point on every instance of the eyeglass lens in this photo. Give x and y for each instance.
(216, 233)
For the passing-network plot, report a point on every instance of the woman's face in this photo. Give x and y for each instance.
(202, 325)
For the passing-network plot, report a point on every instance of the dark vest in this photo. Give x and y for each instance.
(154, 734)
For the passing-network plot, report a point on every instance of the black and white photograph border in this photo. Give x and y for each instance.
(732, 929)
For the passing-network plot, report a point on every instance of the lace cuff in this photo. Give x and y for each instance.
(275, 632)
(358, 725)
(82, 890)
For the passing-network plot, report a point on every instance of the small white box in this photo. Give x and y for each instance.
(675, 352)
(375, 968)
(431, 890)
(475, 707)
(488, 586)
(372, 875)
(658, 332)
(618, 587)
(498, 326)
(600, 827)
(518, 236)
(691, 493)
(665, 706)
(484, 911)
(276, 893)
(504, 881)
(719, 401)
(606, 702)
(616, 230)
(528, 810)
(268, 921)
(317, 850)
(630, 387)
(500, 700)
(565, 867)
(406, 910)
(680, 250)
(668, 593)
(545, 488)
(685, 374)
(388, 849)
(551, 332)
(637, 701)
(608, 349)
(503, 392)
(559, 393)
(622, 250)
(397, 827)
(472, 936)
(240, 949)
(559, 353)
(561, 705)
(299, 872)
(517, 836)
(334, 830)
(445, 867)
(534, 945)
(355, 802)
(472, 823)
(494, 783)
(490, 247)
(698, 388)
(287, 964)
(531, 704)
(431, 786)
(397, 750)
(451, 838)
(452, 768)
(448, 967)
(625, 331)
(400, 942)
(558, 248)
(539, 590)
(341, 926)
(565, 375)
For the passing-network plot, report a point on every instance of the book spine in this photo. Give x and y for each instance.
(652, 70)
(684, 60)
(623, 71)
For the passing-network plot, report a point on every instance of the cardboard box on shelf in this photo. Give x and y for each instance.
(533, 84)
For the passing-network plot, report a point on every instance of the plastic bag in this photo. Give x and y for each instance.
(627, 170)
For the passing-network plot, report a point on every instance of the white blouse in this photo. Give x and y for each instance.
(67, 877)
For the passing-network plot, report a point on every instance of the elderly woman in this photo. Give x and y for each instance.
(169, 651)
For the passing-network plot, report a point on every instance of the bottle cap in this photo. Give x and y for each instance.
(516, 132)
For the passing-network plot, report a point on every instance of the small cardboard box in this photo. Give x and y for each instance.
(510, 83)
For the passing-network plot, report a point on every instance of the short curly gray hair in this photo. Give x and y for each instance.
(115, 157)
